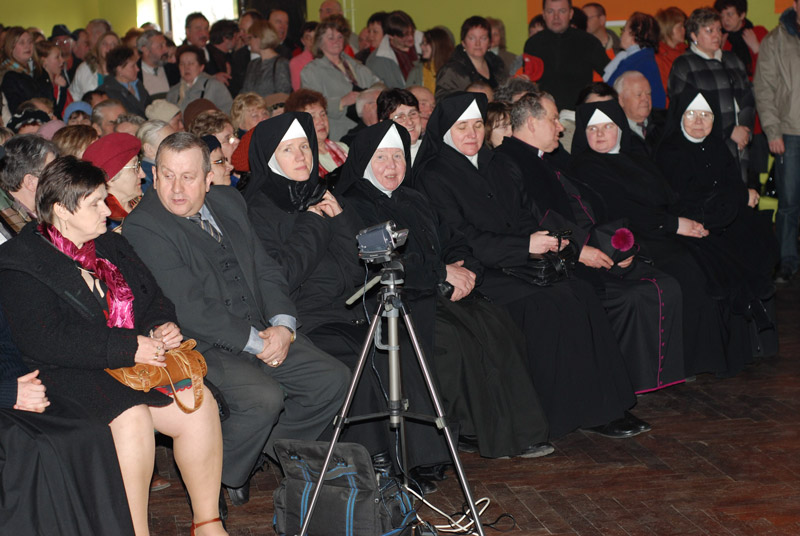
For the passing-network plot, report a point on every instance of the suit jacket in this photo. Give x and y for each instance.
(184, 260)
(132, 105)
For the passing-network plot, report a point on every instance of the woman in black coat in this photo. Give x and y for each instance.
(79, 301)
(51, 435)
(478, 355)
(632, 187)
(573, 357)
(312, 237)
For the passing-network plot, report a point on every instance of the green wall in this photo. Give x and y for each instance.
(75, 14)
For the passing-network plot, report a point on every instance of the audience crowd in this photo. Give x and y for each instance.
(584, 228)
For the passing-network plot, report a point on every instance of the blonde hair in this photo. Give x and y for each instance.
(74, 139)
(240, 105)
(265, 33)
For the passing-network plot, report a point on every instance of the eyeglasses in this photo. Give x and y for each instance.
(220, 162)
(401, 118)
(135, 167)
(692, 115)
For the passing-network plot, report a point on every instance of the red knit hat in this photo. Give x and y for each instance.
(110, 153)
(241, 156)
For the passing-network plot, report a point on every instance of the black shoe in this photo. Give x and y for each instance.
(468, 444)
(420, 484)
(239, 496)
(432, 472)
(618, 429)
(637, 423)
(382, 463)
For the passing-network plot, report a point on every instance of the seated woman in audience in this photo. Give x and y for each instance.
(672, 43)
(122, 82)
(247, 110)
(632, 187)
(336, 75)
(117, 154)
(218, 125)
(195, 84)
(475, 350)
(402, 107)
(471, 61)
(709, 190)
(332, 154)
(722, 75)
(74, 139)
(270, 73)
(16, 77)
(436, 47)
(639, 40)
(220, 166)
(116, 317)
(151, 134)
(395, 61)
(50, 76)
(305, 230)
(92, 72)
(498, 123)
(572, 355)
(53, 436)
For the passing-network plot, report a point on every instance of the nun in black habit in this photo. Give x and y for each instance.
(704, 175)
(572, 355)
(305, 229)
(632, 187)
(478, 354)
(644, 305)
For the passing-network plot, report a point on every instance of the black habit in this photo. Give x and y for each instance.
(573, 357)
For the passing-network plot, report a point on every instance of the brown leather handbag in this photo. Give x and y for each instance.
(183, 362)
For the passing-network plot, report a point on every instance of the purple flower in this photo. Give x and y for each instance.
(622, 239)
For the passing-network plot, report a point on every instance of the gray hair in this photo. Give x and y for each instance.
(530, 105)
(97, 111)
(144, 39)
(512, 87)
(367, 95)
(148, 131)
(25, 154)
(134, 119)
(184, 141)
(619, 83)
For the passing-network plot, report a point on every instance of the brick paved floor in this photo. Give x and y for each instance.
(723, 458)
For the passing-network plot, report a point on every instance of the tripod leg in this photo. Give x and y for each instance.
(441, 419)
(338, 423)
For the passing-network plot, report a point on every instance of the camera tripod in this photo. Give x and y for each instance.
(391, 306)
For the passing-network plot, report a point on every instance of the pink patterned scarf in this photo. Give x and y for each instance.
(119, 295)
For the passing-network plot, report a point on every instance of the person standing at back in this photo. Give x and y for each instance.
(569, 55)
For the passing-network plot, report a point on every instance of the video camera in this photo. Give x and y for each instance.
(377, 243)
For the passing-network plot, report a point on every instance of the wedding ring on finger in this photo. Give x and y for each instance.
(275, 363)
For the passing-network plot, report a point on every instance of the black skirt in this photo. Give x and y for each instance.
(479, 363)
(59, 474)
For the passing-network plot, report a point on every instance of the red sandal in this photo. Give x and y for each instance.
(196, 525)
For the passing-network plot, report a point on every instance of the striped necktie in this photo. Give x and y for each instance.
(206, 226)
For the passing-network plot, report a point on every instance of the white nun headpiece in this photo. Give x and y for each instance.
(599, 117)
(472, 112)
(294, 131)
(699, 104)
(391, 140)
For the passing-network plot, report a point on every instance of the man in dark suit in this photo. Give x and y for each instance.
(232, 298)
(636, 100)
